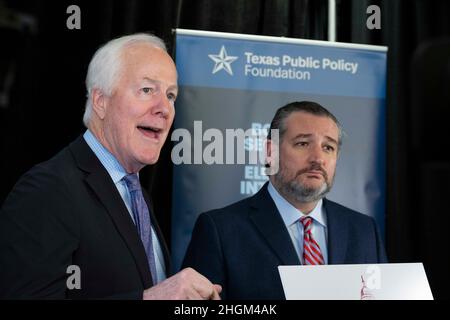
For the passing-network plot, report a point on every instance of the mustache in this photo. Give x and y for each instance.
(313, 167)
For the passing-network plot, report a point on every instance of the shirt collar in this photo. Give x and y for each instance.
(290, 214)
(111, 164)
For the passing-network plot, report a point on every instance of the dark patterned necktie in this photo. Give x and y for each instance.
(141, 217)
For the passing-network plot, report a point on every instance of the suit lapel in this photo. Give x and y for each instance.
(264, 214)
(102, 185)
(337, 233)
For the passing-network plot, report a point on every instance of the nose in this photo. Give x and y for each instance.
(163, 106)
(317, 155)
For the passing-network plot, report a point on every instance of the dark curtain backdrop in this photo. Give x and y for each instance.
(42, 94)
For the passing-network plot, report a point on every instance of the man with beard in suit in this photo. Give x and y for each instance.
(289, 221)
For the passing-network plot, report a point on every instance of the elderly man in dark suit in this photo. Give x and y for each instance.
(84, 209)
(288, 222)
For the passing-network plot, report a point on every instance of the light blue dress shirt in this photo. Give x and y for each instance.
(117, 172)
(291, 218)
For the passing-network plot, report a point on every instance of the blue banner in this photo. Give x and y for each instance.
(230, 81)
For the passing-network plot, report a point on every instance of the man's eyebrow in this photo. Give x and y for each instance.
(150, 80)
(332, 140)
(172, 87)
(302, 135)
(308, 135)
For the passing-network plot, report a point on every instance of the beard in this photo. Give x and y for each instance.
(294, 189)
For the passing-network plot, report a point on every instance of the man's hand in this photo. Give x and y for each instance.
(187, 284)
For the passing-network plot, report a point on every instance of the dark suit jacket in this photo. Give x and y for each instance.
(67, 211)
(241, 246)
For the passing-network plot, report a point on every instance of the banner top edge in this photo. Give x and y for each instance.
(241, 36)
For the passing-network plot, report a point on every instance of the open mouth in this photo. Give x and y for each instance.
(150, 132)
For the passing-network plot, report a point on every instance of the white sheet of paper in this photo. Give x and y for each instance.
(391, 281)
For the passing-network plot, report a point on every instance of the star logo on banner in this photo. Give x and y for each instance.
(223, 61)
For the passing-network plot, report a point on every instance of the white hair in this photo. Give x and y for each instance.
(105, 66)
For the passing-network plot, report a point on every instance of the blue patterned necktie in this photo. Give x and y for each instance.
(141, 217)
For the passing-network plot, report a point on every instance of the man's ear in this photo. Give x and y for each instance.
(99, 103)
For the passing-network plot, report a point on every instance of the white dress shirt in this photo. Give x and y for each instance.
(117, 172)
(291, 217)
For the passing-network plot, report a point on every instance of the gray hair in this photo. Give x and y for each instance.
(278, 121)
(105, 66)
